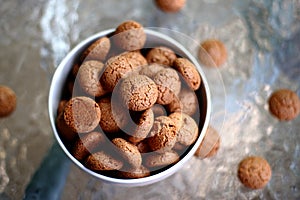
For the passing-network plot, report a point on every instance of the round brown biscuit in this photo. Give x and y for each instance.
(140, 126)
(130, 35)
(170, 5)
(188, 132)
(64, 131)
(88, 76)
(151, 70)
(98, 50)
(101, 161)
(212, 53)
(61, 106)
(254, 172)
(168, 85)
(116, 67)
(210, 144)
(163, 135)
(186, 102)
(82, 114)
(86, 144)
(155, 160)
(161, 55)
(139, 172)
(284, 104)
(110, 122)
(8, 101)
(143, 146)
(129, 152)
(135, 59)
(178, 119)
(188, 71)
(138, 92)
(159, 110)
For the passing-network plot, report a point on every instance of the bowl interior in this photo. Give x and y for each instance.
(154, 39)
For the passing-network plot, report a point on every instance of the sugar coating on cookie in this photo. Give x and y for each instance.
(168, 85)
(8, 101)
(98, 50)
(163, 135)
(161, 55)
(284, 104)
(138, 92)
(82, 114)
(171, 6)
(100, 161)
(210, 144)
(88, 75)
(254, 172)
(212, 53)
(130, 35)
(189, 72)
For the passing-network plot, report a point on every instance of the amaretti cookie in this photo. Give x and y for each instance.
(130, 35)
(89, 75)
(82, 114)
(161, 55)
(212, 53)
(156, 160)
(139, 172)
(284, 104)
(111, 122)
(129, 153)
(86, 144)
(120, 66)
(140, 125)
(101, 161)
(188, 132)
(168, 85)
(186, 102)
(171, 6)
(138, 92)
(188, 71)
(98, 50)
(210, 144)
(254, 172)
(8, 101)
(151, 69)
(163, 135)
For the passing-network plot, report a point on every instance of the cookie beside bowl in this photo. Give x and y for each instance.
(154, 39)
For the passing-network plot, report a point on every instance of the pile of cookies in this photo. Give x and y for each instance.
(129, 111)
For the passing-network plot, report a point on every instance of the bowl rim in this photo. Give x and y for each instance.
(57, 80)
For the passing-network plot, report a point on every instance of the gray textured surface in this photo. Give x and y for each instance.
(263, 42)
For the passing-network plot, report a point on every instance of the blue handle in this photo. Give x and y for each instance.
(49, 180)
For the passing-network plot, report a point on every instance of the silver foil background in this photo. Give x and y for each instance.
(262, 38)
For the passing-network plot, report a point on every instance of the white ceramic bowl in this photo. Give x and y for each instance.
(154, 38)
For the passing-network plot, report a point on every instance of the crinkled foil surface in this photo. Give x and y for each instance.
(263, 41)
